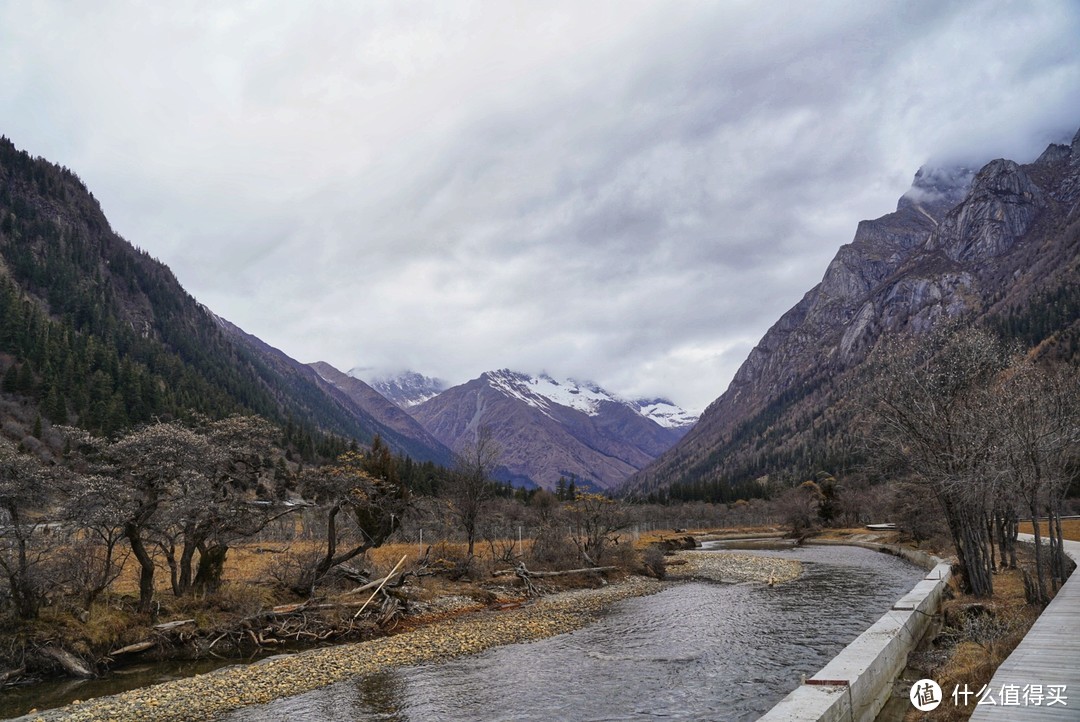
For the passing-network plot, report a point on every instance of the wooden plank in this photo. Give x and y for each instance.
(1049, 655)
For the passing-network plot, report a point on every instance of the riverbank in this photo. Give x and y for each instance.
(209, 695)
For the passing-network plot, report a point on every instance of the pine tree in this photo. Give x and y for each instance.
(11, 379)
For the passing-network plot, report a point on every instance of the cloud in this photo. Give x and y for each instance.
(631, 192)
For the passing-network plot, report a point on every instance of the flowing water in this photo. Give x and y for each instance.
(696, 651)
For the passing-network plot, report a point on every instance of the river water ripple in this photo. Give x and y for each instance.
(696, 651)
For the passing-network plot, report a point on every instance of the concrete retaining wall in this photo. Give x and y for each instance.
(855, 685)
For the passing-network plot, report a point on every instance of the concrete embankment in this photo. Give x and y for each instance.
(856, 684)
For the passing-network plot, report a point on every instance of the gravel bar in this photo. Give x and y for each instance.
(734, 567)
(208, 695)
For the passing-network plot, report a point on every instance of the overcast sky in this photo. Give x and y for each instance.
(629, 192)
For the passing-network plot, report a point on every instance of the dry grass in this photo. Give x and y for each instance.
(982, 642)
(860, 533)
(658, 535)
(1070, 528)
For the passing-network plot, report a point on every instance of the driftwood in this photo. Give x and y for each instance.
(69, 662)
(173, 625)
(392, 572)
(504, 572)
(527, 577)
(133, 648)
(12, 674)
(375, 582)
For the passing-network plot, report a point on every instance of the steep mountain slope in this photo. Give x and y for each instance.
(1000, 247)
(397, 427)
(547, 429)
(99, 334)
(405, 389)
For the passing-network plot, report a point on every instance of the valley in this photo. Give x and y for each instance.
(538, 361)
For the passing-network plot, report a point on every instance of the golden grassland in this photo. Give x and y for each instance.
(1070, 528)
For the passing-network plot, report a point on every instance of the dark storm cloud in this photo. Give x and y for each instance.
(631, 192)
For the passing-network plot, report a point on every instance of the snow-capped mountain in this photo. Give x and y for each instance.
(665, 413)
(585, 396)
(549, 429)
(406, 389)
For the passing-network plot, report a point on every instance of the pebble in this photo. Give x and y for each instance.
(734, 567)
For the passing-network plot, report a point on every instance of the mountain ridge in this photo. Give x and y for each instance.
(952, 248)
(103, 336)
(404, 389)
(548, 429)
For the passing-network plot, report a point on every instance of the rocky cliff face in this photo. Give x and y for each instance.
(547, 429)
(980, 245)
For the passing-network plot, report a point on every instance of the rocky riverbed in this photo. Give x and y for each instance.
(209, 695)
(733, 567)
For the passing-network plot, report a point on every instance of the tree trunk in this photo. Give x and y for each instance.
(331, 544)
(1055, 548)
(975, 558)
(211, 566)
(187, 554)
(331, 559)
(1055, 514)
(146, 567)
(1040, 583)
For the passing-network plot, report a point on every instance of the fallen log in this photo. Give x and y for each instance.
(11, 674)
(173, 625)
(133, 648)
(505, 572)
(69, 662)
(285, 609)
(383, 582)
(376, 582)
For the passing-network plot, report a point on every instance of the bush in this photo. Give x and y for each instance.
(553, 549)
(653, 562)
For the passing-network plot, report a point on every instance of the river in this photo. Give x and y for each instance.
(694, 651)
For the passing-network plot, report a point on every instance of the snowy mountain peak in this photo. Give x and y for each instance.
(585, 396)
(665, 413)
(405, 389)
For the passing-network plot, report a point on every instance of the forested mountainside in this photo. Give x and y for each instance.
(547, 429)
(1000, 247)
(96, 333)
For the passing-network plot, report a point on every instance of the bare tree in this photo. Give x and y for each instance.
(374, 505)
(95, 561)
(931, 400)
(24, 489)
(1038, 411)
(800, 507)
(595, 522)
(471, 485)
(240, 444)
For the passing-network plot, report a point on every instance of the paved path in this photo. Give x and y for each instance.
(1045, 665)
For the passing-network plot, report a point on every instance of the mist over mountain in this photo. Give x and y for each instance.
(999, 247)
(405, 389)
